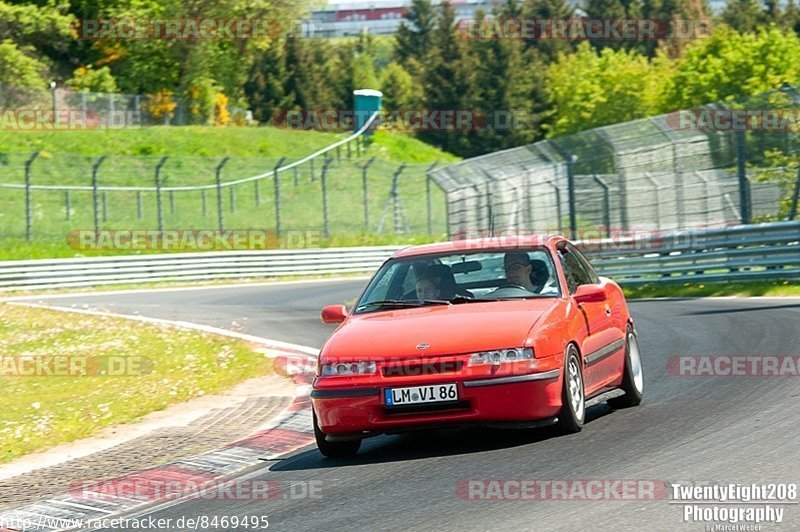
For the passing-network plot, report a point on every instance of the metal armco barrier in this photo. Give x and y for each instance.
(95, 271)
(760, 251)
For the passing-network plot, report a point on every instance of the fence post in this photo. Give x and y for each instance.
(573, 223)
(258, 192)
(793, 212)
(326, 232)
(706, 192)
(159, 204)
(364, 195)
(28, 209)
(569, 160)
(558, 205)
(744, 184)
(658, 199)
(606, 204)
(394, 201)
(276, 180)
(67, 204)
(95, 208)
(139, 205)
(203, 199)
(172, 202)
(349, 151)
(311, 166)
(95, 168)
(105, 206)
(218, 178)
(232, 194)
(428, 196)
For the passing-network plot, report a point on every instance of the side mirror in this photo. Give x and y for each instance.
(590, 293)
(334, 314)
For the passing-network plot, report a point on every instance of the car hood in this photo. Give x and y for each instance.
(453, 329)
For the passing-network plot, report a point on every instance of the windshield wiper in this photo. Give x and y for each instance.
(403, 303)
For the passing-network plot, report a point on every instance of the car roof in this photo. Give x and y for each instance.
(477, 244)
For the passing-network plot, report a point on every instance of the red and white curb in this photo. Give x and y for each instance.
(289, 431)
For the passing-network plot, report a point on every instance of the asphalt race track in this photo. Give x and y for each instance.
(700, 429)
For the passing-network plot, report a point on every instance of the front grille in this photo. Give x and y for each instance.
(416, 369)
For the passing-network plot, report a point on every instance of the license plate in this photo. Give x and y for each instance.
(413, 395)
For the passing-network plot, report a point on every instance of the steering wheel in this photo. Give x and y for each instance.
(510, 290)
(513, 285)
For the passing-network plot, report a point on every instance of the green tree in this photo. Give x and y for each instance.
(415, 37)
(400, 91)
(91, 80)
(744, 15)
(595, 88)
(729, 64)
(502, 85)
(450, 83)
(20, 75)
(264, 90)
(548, 49)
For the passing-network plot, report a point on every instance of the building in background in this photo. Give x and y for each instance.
(379, 18)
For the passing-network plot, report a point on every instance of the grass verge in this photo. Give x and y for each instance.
(741, 289)
(206, 141)
(129, 369)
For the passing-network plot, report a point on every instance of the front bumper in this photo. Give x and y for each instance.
(497, 399)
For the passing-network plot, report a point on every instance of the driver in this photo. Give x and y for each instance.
(517, 265)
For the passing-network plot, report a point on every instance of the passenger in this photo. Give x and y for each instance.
(445, 282)
(427, 288)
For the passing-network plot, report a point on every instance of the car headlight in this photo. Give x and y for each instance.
(501, 356)
(348, 368)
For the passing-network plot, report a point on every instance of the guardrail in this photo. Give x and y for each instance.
(95, 271)
(760, 251)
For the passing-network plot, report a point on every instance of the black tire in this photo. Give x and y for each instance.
(337, 449)
(633, 392)
(573, 411)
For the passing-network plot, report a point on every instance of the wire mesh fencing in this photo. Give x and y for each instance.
(68, 109)
(713, 166)
(50, 196)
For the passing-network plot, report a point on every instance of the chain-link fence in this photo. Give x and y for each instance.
(83, 109)
(47, 196)
(712, 166)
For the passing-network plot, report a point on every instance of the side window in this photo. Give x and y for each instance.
(585, 264)
(574, 270)
(572, 284)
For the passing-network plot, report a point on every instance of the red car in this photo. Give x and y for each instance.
(510, 332)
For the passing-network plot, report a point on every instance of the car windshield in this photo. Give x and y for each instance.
(460, 278)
